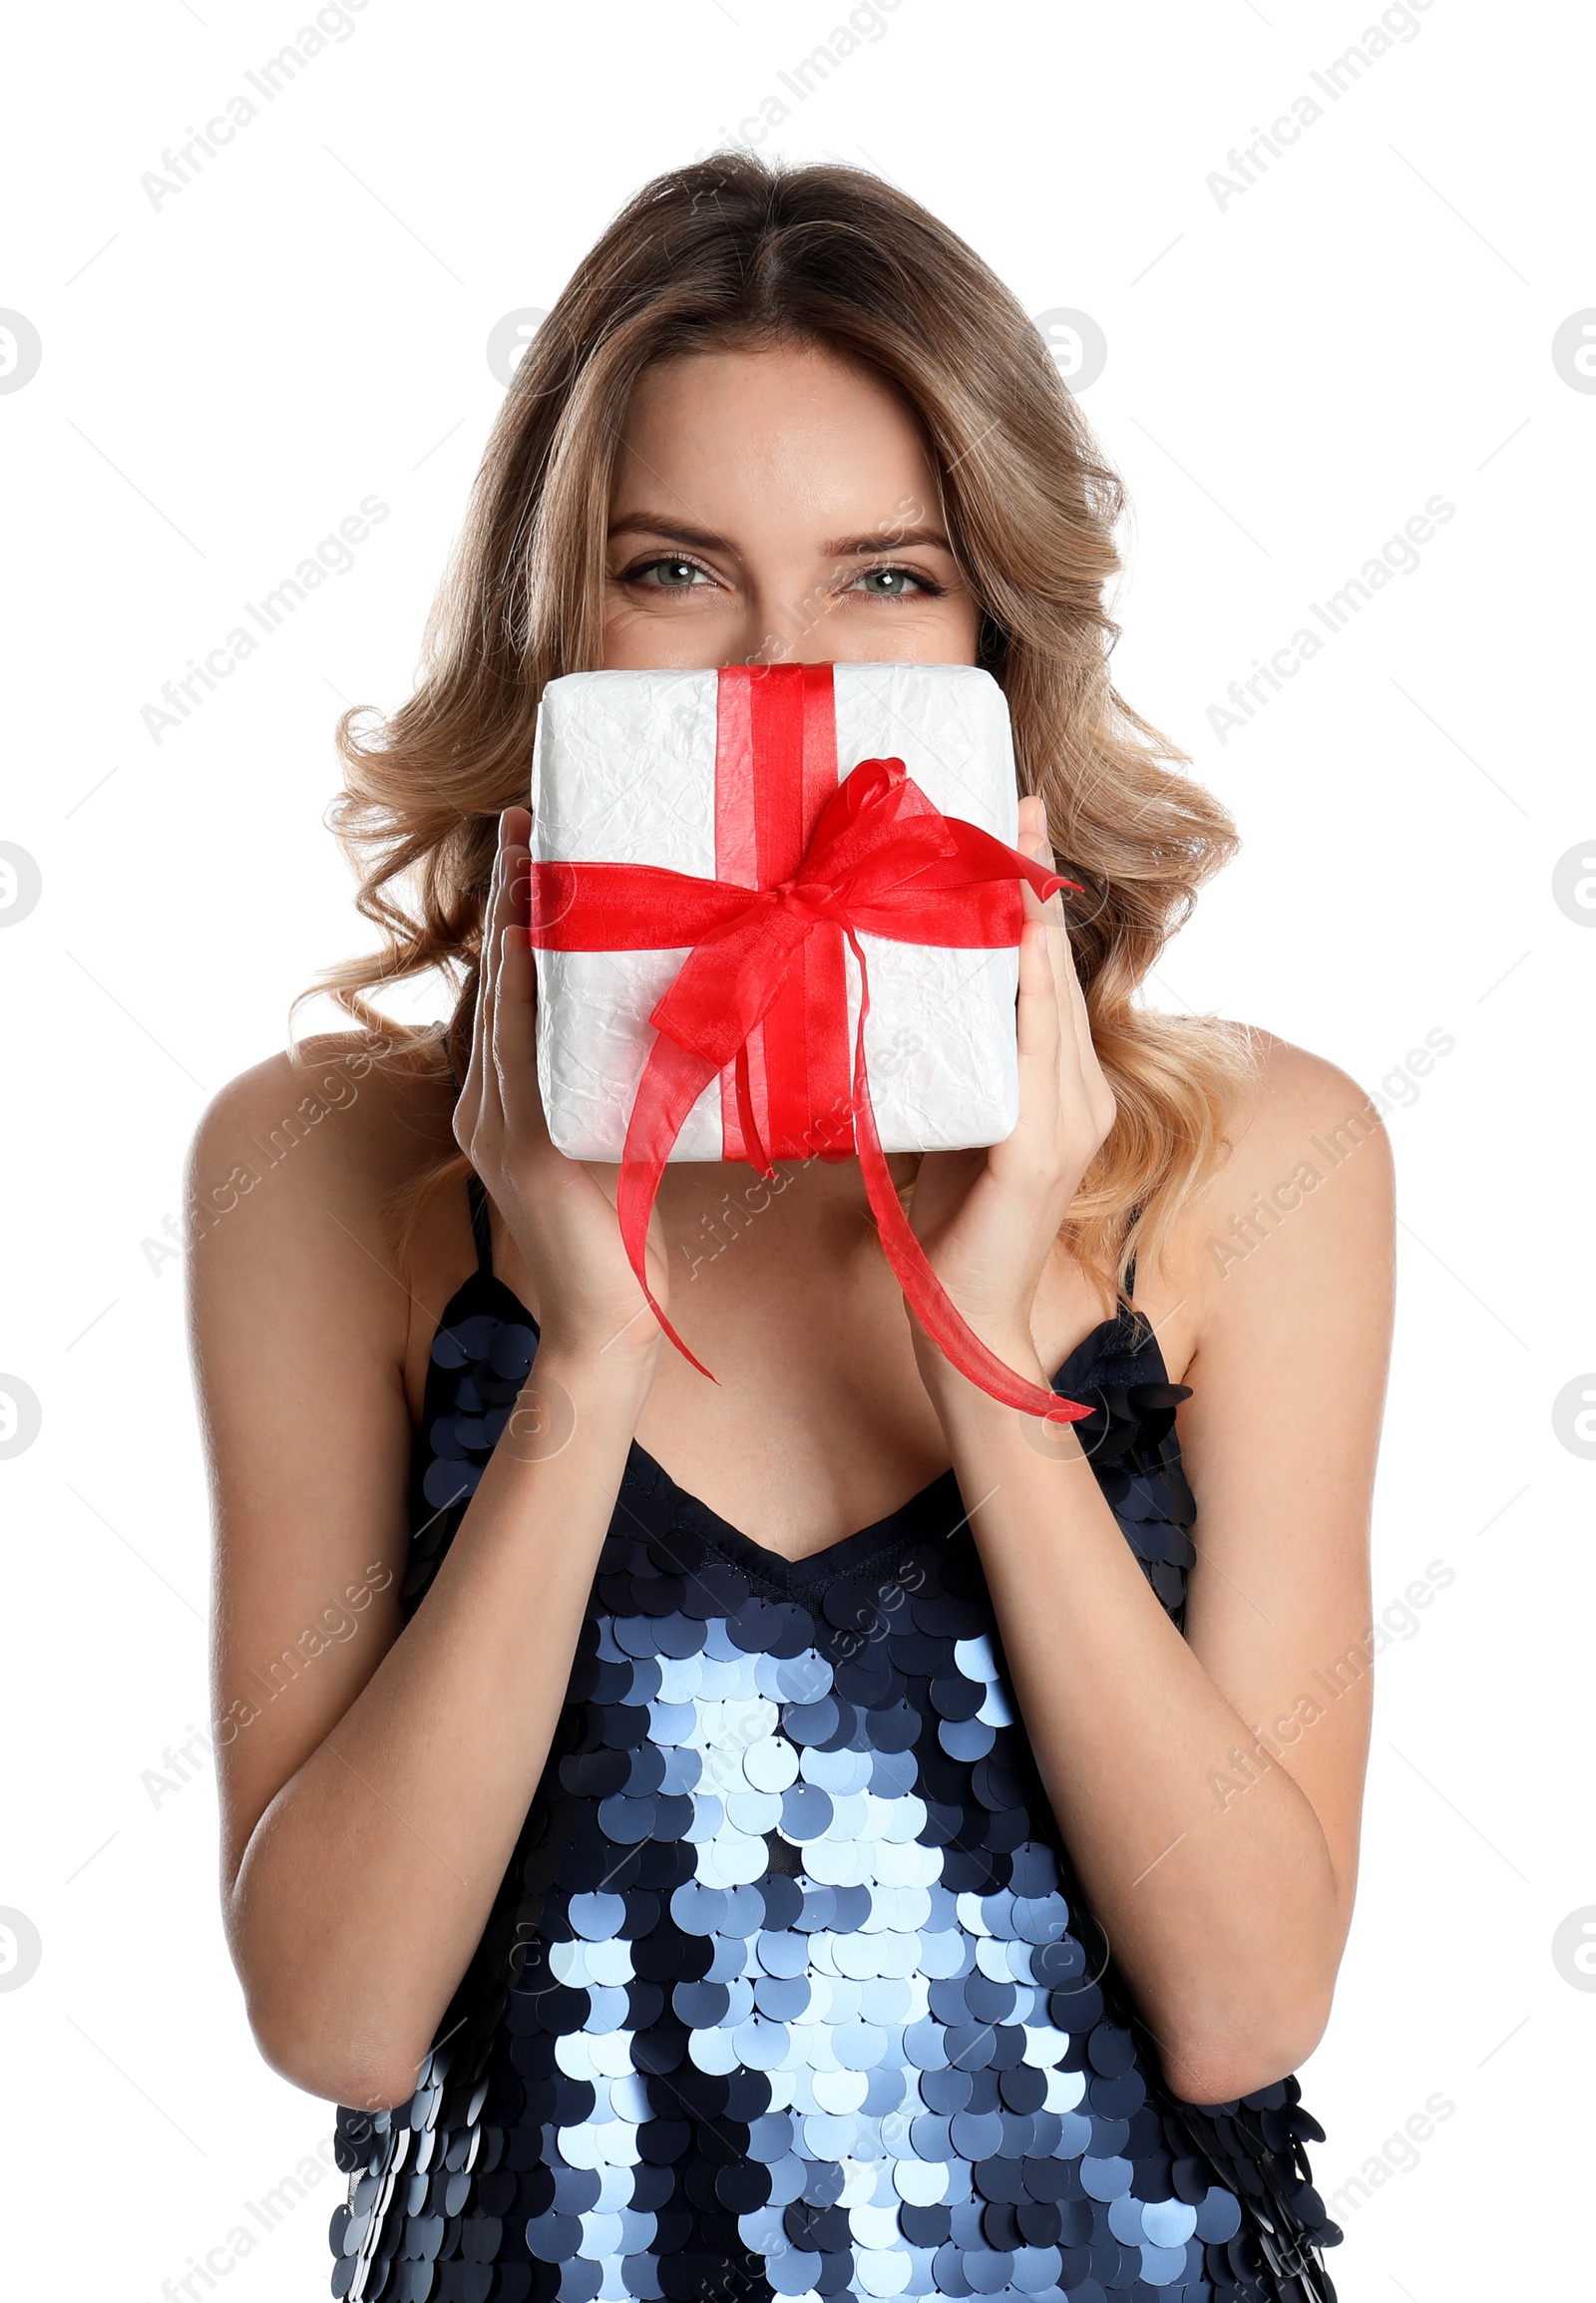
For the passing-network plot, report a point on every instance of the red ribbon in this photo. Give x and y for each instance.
(881, 861)
(775, 769)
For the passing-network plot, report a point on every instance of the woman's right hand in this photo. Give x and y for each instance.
(562, 1220)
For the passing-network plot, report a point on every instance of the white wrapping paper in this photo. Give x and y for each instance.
(624, 772)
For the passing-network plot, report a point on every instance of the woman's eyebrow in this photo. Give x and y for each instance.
(874, 540)
(650, 523)
(885, 539)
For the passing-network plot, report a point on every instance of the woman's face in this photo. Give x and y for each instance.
(777, 507)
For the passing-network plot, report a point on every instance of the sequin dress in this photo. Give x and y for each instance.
(789, 1991)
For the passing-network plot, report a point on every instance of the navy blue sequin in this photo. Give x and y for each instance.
(789, 1990)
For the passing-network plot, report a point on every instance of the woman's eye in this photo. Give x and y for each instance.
(891, 582)
(670, 575)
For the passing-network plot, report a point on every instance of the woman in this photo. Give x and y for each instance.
(1057, 1858)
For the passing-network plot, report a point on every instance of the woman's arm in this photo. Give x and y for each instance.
(374, 1779)
(1222, 1871)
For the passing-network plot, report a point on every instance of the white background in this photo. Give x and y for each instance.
(1289, 377)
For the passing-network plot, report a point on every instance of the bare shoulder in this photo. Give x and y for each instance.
(299, 1164)
(387, 1102)
(1298, 1103)
(1307, 1172)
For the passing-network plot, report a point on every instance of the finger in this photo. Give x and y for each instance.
(1039, 1027)
(1033, 841)
(1081, 1019)
(471, 1094)
(1072, 999)
(1053, 914)
(497, 924)
(514, 982)
(516, 1001)
(1058, 1075)
(515, 1040)
(492, 921)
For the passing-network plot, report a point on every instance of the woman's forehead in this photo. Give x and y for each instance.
(712, 437)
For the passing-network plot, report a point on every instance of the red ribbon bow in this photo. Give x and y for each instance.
(882, 859)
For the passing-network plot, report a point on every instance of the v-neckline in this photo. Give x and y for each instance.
(884, 1536)
(936, 1505)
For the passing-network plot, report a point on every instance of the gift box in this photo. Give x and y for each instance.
(776, 910)
(717, 776)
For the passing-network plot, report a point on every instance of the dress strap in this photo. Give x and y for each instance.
(1130, 1268)
(480, 1229)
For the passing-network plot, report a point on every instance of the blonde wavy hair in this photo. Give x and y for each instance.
(733, 252)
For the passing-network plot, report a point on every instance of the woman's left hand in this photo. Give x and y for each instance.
(988, 1220)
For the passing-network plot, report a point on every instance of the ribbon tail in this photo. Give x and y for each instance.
(753, 1143)
(927, 1297)
(672, 1081)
